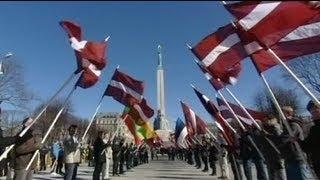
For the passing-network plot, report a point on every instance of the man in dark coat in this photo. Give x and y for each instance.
(115, 157)
(311, 142)
(213, 158)
(99, 155)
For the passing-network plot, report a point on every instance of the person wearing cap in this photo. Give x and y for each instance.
(293, 159)
(311, 143)
(23, 152)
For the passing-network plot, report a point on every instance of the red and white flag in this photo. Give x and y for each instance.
(302, 41)
(94, 52)
(195, 125)
(270, 21)
(89, 77)
(216, 84)
(221, 53)
(125, 89)
(129, 92)
(225, 112)
(225, 128)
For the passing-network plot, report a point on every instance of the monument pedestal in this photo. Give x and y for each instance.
(165, 135)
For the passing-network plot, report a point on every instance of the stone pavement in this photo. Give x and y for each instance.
(154, 170)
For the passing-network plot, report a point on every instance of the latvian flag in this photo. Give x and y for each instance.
(125, 89)
(129, 92)
(90, 55)
(221, 53)
(180, 133)
(216, 84)
(225, 128)
(270, 21)
(195, 125)
(225, 112)
(297, 43)
(87, 52)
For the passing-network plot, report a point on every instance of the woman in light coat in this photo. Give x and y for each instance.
(105, 169)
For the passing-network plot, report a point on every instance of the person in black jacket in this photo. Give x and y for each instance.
(99, 155)
(213, 157)
(116, 147)
(122, 156)
(311, 143)
(6, 141)
(204, 155)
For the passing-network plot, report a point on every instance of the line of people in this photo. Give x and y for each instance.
(123, 156)
(281, 159)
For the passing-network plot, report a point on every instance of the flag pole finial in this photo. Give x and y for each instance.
(189, 46)
(192, 86)
(106, 39)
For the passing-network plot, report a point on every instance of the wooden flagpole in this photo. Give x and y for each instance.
(92, 118)
(4, 154)
(284, 120)
(51, 127)
(279, 61)
(242, 126)
(252, 119)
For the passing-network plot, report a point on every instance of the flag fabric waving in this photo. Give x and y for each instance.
(195, 125)
(125, 89)
(180, 132)
(129, 92)
(221, 53)
(216, 84)
(225, 112)
(297, 43)
(93, 52)
(269, 21)
(226, 130)
(89, 77)
(130, 123)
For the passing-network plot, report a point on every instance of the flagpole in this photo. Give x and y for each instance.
(279, 61)
(252, 119)
(242, 126)
(92, 118)
(51, 126)
(211, 134)
(49, 102)
(227, 123)
(282, 116)
(4, 154)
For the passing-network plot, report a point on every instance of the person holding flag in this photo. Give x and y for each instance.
(311, 143)
(23, 152)
(72, 153)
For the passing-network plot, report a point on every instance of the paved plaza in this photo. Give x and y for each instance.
(155, 169)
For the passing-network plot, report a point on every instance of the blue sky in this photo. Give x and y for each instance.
(31, 31)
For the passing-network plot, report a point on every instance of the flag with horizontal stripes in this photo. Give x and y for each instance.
(93, 52)
(125, 89)
(269, 21)
(221, 53)
(225, 112)
(224, 127)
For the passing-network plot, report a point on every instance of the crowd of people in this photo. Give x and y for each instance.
(277, 155)
(64, 156)
(274, 156)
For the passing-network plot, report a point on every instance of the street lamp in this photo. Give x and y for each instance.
(6, 56)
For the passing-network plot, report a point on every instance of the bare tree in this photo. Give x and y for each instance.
(307, 69)
(263, 100)
(11, 121)
(12, 85)
(65, 120)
